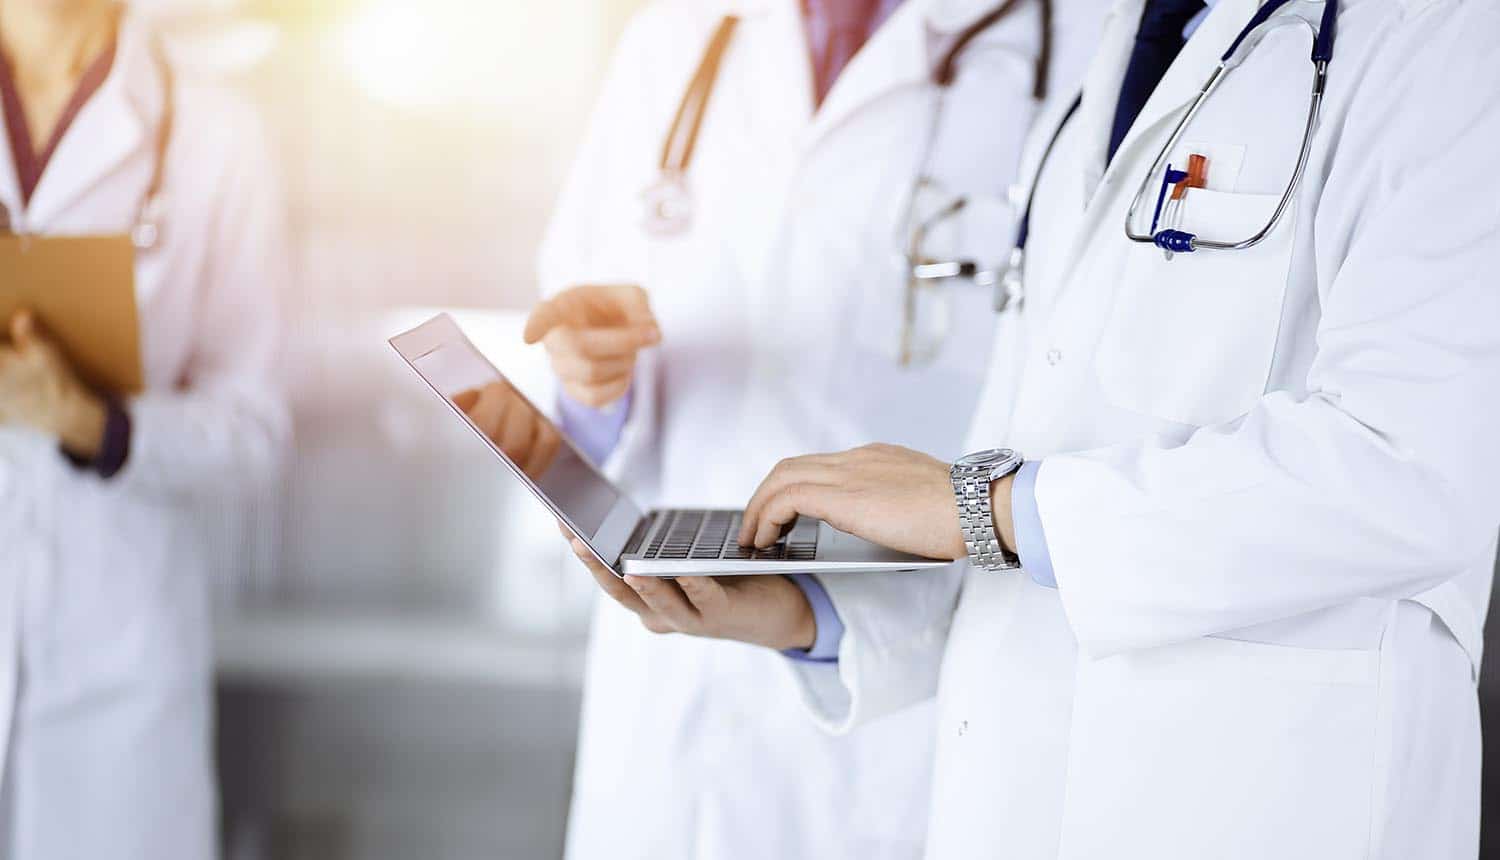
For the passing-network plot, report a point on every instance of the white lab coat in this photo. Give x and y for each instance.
(1268, 481)
(698, 749)
(105, 684)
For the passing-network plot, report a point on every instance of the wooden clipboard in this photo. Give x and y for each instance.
(82, 290)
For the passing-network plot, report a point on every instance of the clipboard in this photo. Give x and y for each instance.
(82, 291)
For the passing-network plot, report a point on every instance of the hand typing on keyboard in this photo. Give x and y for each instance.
(710, 535)
(762, 610)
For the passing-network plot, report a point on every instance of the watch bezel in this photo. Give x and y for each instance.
(986, 457)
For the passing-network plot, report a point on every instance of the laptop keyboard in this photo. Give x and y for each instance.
(712, 535)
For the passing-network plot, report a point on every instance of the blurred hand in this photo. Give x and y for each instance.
(762, 610)
(38, 389)
(893, 496)
(524, 434)
(592, 335)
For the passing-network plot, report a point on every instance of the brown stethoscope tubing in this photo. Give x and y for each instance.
(947, 68)
(677, 149)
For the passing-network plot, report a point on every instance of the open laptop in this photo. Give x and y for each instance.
(620, 534)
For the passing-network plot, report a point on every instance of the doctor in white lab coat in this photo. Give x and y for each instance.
(1259, 543)
(698, 749)
(105, 653)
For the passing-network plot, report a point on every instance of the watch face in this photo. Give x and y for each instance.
(988, 457)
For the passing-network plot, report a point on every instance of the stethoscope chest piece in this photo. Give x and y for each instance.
(1010, 288)
(669, 206)
(146, 233)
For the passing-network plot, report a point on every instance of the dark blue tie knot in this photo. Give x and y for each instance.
(1166, 19)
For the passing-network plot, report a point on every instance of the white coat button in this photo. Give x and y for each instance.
(1054, 357)
(963, 727)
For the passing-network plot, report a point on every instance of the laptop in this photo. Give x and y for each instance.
(621, 535)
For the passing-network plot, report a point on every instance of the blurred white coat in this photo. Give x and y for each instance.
(780, 314)
(105, 652)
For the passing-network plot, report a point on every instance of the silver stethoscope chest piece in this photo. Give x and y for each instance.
(669, 206)
(147, 230)
(668, 201)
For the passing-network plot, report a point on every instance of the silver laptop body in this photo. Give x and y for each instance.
(620, 534)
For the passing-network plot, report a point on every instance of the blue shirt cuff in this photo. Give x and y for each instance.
(1031, 541)
(825, 648)
(596, 432)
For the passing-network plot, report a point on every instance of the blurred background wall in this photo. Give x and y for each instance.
(399, 636)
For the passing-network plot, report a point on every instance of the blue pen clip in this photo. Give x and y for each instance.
(1168, 179)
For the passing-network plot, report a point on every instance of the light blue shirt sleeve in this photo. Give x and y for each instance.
(1031, 541)
(595, 431)
(825, 648)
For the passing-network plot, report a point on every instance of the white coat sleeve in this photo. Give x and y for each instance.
(586, 241)
(895, 631)
(1382, 481)
(225, 426)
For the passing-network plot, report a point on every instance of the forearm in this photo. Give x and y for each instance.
(1301, 507)
(202, 441)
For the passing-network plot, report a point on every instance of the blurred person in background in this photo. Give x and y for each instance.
(105, 652)
(761, 177)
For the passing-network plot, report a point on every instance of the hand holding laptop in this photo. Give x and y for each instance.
(620, 535)
(762, 610)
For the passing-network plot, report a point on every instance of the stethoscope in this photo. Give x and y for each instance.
(146, 231)
(1181, 241)
(1172, 240)
(924, 271)
(669, 205)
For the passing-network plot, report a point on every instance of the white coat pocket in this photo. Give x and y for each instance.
(1225, 749)
(1191, 339)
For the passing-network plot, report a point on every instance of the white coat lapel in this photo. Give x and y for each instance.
(1101, 96)
(1186, 76)
(113, 126)
(10, 186)
(1101, 91)
(896, 55)
(778, 90)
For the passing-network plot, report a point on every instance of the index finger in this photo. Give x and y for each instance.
(547, 315)
(812, 467)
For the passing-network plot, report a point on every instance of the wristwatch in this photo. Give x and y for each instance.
(972, 476)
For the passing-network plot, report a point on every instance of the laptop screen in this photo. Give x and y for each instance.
(514, 428)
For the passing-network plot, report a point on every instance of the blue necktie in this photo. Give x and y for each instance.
(1157, 44)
